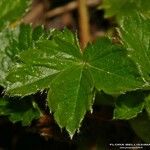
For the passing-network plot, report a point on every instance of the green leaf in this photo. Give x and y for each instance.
(53, 65)
(135, 34)
(12, 11)
(129, 105)
(13, 41)
(71, 102)
(115, 7)
(141, 126)
(110, 69)
(120, 8)
(70, 76)
(23, 110)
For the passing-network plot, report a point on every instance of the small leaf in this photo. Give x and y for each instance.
(129, 105)
(141, 126)
(135, 34)
(12, 11)
(19, 110)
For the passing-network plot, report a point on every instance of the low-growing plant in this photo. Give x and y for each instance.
(35, 60)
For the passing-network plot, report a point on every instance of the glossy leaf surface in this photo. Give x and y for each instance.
(59, 65)
(12, 42)
(110, 68)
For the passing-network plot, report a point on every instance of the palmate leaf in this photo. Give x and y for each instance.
(12, 11)
(135, 34)
(12, 42)
(22, 110)
(121, 8)
(71, 76)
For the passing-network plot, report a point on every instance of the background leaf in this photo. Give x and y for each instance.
(12, 11)
(135, 34)
(13, 41)
(129, 105)
(120, 8)
(19, 110)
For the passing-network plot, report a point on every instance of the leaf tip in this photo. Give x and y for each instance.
(71, 133)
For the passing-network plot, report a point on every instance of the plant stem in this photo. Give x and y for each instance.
(84, 26)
